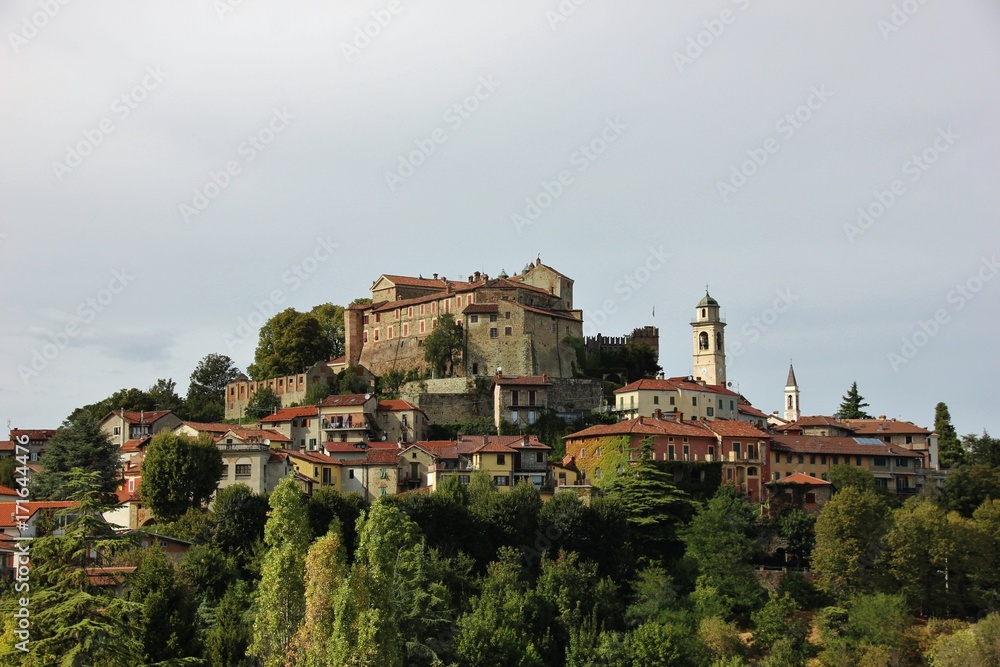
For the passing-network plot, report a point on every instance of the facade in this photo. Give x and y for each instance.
(348, 419)
(507, 459)
(124, 425)
(689, 398)
(895, 468)
(800, 490)
(248, 458)
(35, 439)
(322, 470)
(374, 476)
(901, 434)
(519, 400)
(401, 421)
(290, 389)
(301, 425)
(648, 336)
(516, 323)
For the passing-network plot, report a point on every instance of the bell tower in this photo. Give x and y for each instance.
(792, 411)
(709, 342)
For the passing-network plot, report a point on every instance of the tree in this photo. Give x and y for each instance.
(852, 405)
(179, 473)
(844, 475)
(163, 396)
(280, 599)
(166, 617)
(79, 444)
(331, 320)
(443, 345)
(799, 530)
(289, 343)
(849, 543)
(777, 620)
(983, 450)
(326, 570)
(239, 515)
(720, 540)
(206, 395)
(263, 403)
(8, 475)
(227, 641)
(328, 504)
(969, 486)
(950, 452)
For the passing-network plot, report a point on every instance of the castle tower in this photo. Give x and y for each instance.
(709, 342)
(792, 411)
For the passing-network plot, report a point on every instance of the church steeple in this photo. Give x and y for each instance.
(792, 411)
(709, 342)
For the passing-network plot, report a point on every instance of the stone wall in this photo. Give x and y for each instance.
(574, 394)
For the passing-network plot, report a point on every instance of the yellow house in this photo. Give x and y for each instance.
(323, 470)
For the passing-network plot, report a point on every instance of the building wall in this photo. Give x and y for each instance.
(819, 465)
(290, 389)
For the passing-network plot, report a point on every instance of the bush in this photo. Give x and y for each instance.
(776, 620)
(784, 653)
(722, 639)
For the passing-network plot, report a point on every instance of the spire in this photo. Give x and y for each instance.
(790, 382)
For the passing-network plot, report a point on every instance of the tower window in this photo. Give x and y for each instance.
(703, 341)
(704, 312)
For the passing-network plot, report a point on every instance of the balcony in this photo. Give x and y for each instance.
(244, 447)
(344, 425)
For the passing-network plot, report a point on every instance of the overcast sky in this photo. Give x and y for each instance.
(170, 169)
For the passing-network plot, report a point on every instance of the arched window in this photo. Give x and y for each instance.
(703, 341)
(718, 341)
(789, 402)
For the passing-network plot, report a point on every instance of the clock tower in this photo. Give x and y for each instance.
(709, 342)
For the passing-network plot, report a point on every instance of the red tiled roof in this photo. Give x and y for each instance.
(691, 385)
(751, 410)
(7, 491)
(542, 311)
(344, 447)
(432, 283)
(255, 435)
(288, 414)
(32, 433)
(140, 417)
(522, 380)
(341, 400)
(474, 308)
(817, 420)
(314, 457)
(875, 427)
(6, 446)
(396, 405)
(10, 515)
(378, 457)
(133, 446)
(208, 427)
(802, 478)
(126, 496)
(731, 428)
(821, 444)
(337, 361)
(644, 426)
(108, 576)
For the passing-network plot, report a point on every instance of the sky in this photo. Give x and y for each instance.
(175, 172)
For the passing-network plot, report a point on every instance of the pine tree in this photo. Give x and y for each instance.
(77, 445)
(853, 404)
(950, 452)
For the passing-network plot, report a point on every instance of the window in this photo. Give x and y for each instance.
(583, 452)
(881, 483)
(383, 491)
(597, 473)
(515, 397)
(406, 329)
(506, 315)
(694, 400)
(493, 317)
(812, 459)
(687, 451)
(710, 412)
(778, 474)
(532, 395)
(836, 459)
(225, 471)
(902, 463)
(378, 317)
(475, 369)
(751, 451)
(788, 458)
(802, 459)
(531, 417)
(909, 439)
(857, 460)
(751, 472)
(474, 318)
(711, 451)
(350, 474)
(501, 480)
(656, 400)
(539, 457)
(880, 461)
(671, 400)
(777, 457)
(242, 470)
(118, 431)
(421, 309)
(383, 474)
(390, 330)
(670, 452)
(376, 334)
(597, 451)
(810, 499)
(514, 417)
(501, 459)
(464, 479)
(423, 326)
(822, 460)
(365, 337)
(508, 331)
(493, 332)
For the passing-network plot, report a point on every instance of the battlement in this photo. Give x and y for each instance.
(647, 335)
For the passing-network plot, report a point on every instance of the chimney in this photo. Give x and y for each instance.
(657, 414)
(477, 275)
(678, 416)
(435, 276)
(882, 417)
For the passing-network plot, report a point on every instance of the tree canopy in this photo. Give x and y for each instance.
(443, 346)
(290, 342)
(179, 473)
(206, 393)
(78, 445)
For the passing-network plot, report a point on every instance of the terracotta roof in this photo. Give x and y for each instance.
(885, 427)
(645, 426)
(801, 478)
(337, 361)
(821, 444)
(254, 435)
(10, 515)
(126, 497)
(542, 311)
(344, 447)
(692, 385)
(288, 414)
(474, 308)
(32, 433)
(277, 455)
(314, 457)
(647, 384)
(383, 444)
(140, 417)
(133, 446)
(208, 427)
(396, 405)
(750, 410)
(732, 428)
(521, 380)
(673, 384)
(7, 491)
(6, 446)
(387, 306)
(341, 400)
(378, 457)
(817, 420)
